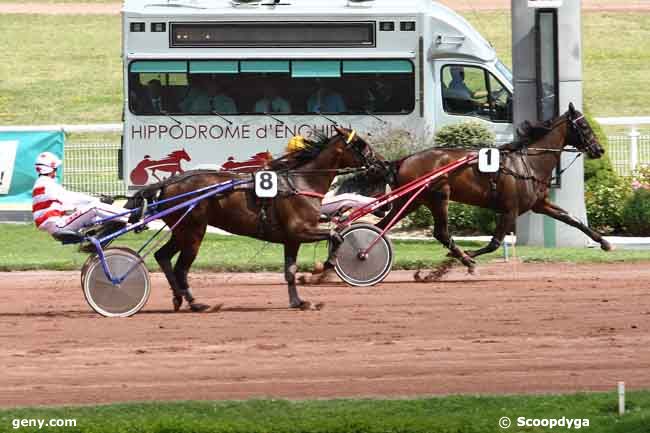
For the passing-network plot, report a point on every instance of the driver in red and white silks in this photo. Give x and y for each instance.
(52, 203)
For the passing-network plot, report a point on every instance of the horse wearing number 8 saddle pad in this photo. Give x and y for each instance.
(304, 176)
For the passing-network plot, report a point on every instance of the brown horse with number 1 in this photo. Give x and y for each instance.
(521, 184)
(291, 218)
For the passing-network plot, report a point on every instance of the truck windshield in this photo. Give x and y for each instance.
(505, 71)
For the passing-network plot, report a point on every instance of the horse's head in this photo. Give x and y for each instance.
(180, 155)
(354, 150)
(580, 134)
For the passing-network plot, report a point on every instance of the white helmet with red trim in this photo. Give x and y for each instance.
(47, 162)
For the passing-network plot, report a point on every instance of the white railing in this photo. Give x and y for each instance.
(630, 151)
(91, 156)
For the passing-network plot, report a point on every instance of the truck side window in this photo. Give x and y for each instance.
(280, 86)
(472, 91)
(500, 101)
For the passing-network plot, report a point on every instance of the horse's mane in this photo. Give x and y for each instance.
(313, 147)
(528, 133)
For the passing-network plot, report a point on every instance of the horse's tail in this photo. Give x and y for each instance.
(142, 199)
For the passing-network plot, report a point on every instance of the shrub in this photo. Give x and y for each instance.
(605, 197)
(641, 178)
(463, 219)
(636, 214)
(466, 134)
(394, 144)
(603, 165)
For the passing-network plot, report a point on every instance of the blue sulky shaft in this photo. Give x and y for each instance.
(212, 190)
(188, 205)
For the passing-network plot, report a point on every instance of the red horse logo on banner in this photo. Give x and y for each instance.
(256, 162)
(171, 164)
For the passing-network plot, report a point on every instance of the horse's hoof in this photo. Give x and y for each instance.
(300, 305)
(417, 277)
(606, 246)
(472, 270)
(433, 276)
(178, 301)
(302, 280)
(197, 307)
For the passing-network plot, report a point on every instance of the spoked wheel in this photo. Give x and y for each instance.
(359, 267)
(121, 300)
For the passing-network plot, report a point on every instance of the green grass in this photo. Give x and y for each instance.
(60, 69)
(67, 68)
(235, 253)
(614, 73)
(466, 414)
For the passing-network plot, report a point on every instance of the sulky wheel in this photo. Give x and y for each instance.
(124, 299)
(356, 268)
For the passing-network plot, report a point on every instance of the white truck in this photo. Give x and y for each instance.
(217, 83)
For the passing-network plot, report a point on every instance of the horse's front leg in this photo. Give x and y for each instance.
(547, 208)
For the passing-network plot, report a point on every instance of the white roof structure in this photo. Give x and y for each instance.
(449, 34)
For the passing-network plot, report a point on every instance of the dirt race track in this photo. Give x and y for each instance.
(553, 328)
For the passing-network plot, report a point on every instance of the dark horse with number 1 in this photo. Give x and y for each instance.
(291, 218)
(521, 184)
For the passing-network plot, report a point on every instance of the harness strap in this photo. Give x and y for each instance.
(311, 194)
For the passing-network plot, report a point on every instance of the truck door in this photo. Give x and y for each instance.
(470, 92)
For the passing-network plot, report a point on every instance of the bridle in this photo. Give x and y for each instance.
(578, 128)
(366, 157)
(589, 145)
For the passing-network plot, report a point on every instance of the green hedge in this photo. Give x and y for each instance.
(636, 214)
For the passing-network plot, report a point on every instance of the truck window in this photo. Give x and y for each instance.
(473, 91)
(272, 86)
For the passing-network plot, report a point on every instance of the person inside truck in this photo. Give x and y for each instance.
(458, 97)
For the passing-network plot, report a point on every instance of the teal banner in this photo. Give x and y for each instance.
(18, 151)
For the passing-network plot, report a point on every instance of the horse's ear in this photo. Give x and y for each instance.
(339, 130)
(572, 109)
(524, 128)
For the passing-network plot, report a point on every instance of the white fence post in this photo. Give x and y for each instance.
(634, 150)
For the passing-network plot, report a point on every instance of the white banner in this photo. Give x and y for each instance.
(8, 152)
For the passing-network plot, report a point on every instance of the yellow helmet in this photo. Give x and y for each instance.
(296, 143)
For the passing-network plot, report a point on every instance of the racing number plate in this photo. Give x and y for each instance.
(266, 184)
(488, 160)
